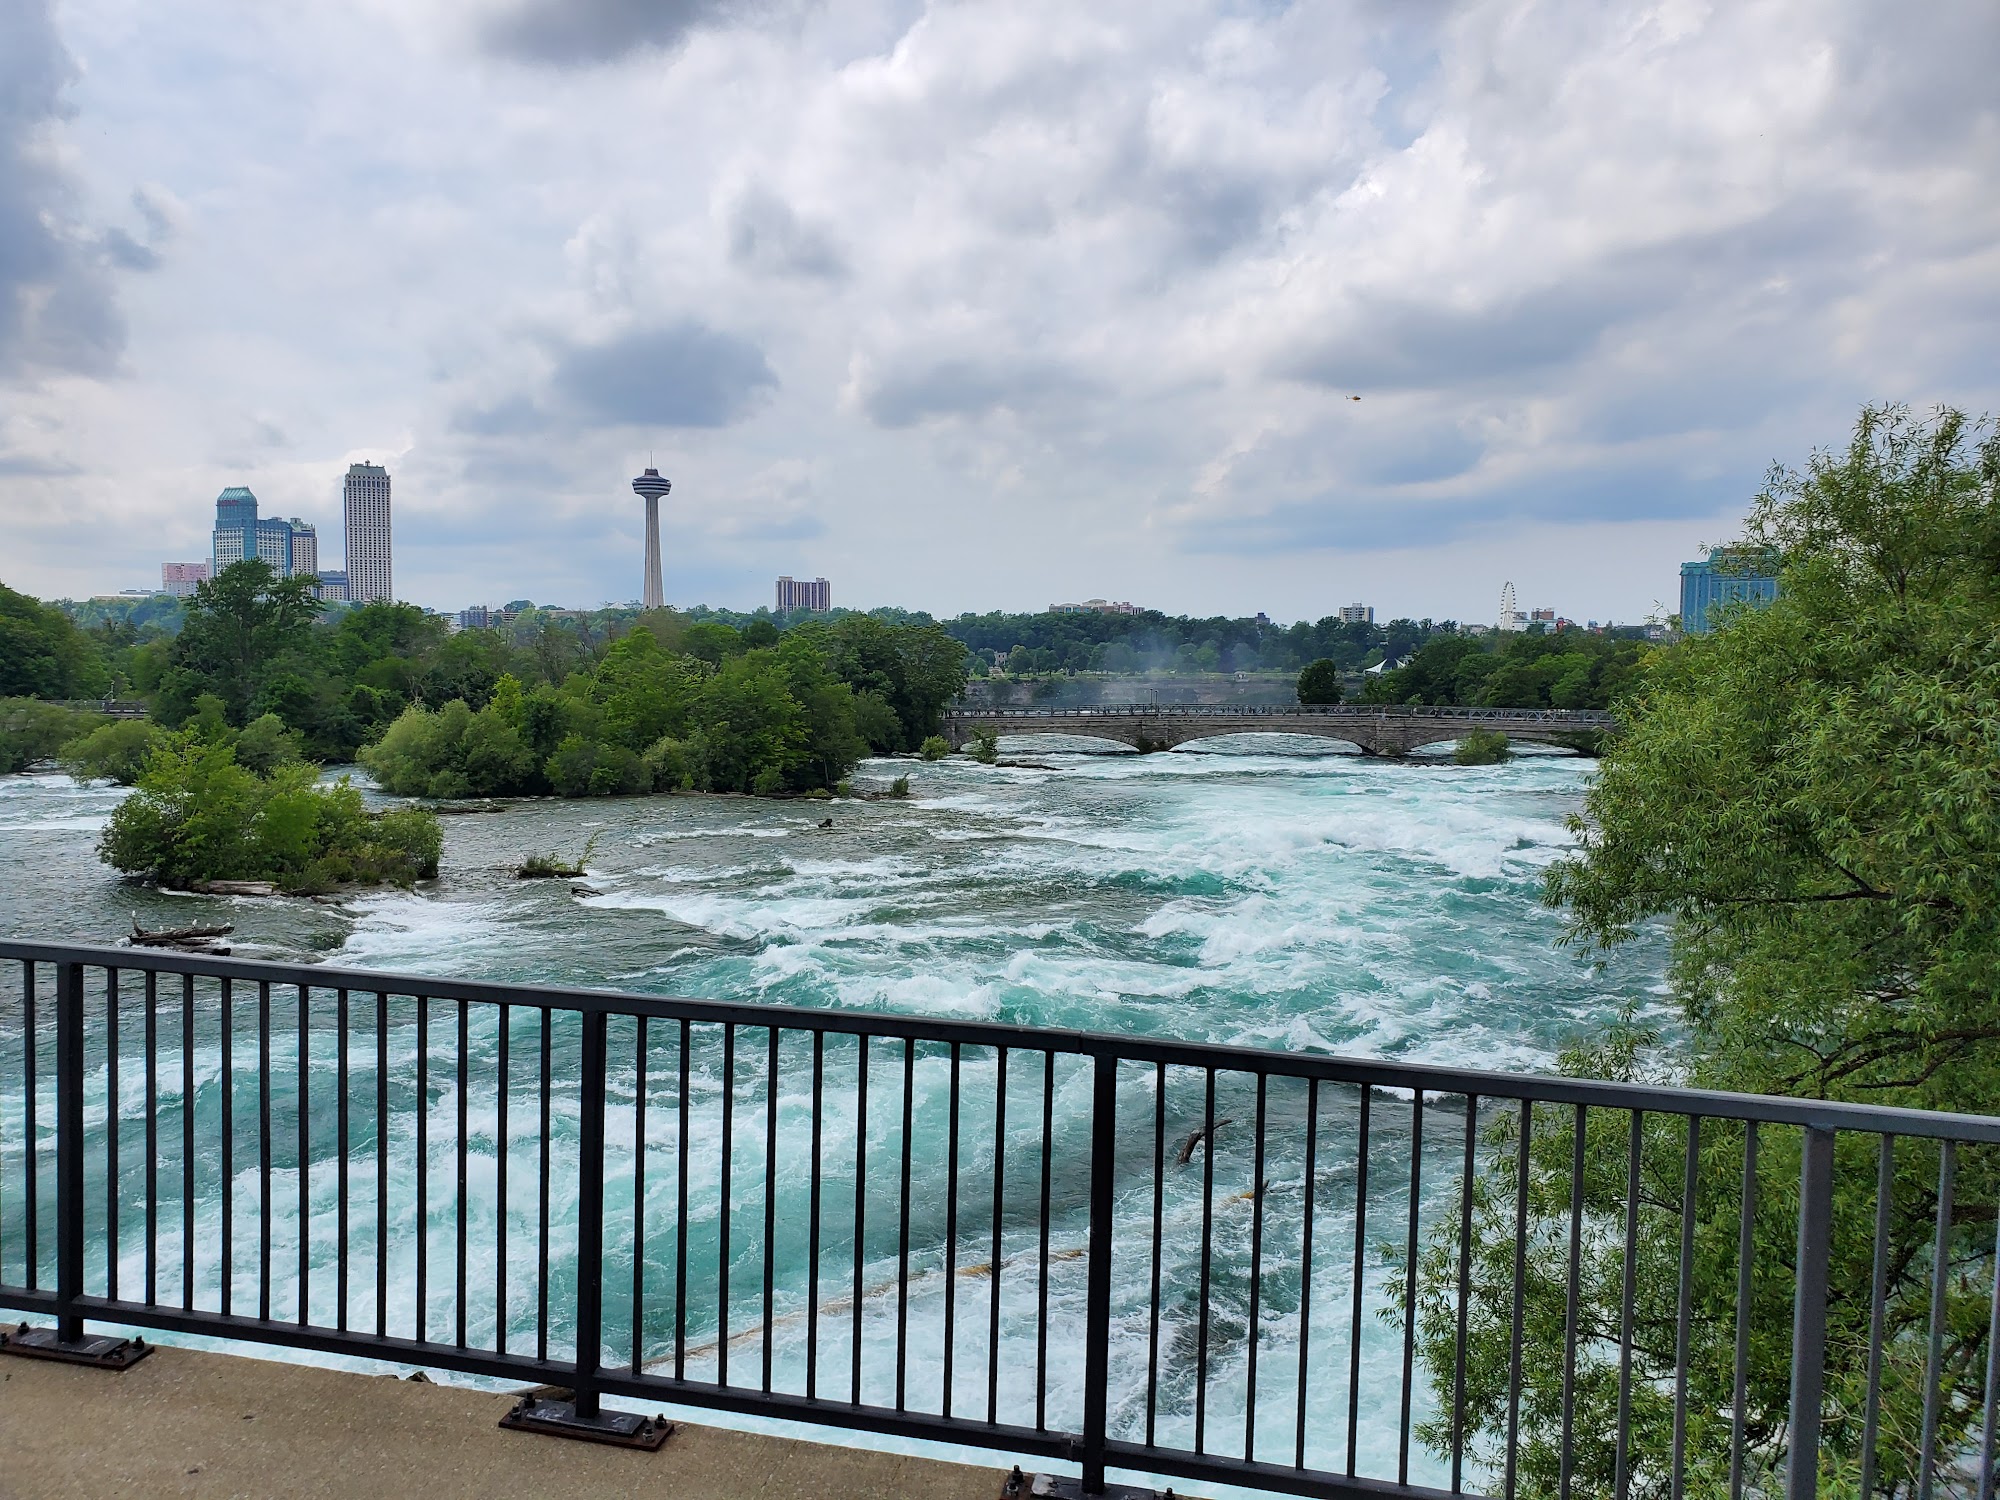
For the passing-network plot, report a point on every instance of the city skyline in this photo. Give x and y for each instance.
(988, 306)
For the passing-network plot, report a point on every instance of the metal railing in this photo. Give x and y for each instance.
(1313, 1274)
(1579, 718)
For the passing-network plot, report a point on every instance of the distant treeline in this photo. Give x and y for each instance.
(1573, 669)
(552, 703)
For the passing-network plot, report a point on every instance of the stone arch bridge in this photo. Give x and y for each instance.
(1376, 729)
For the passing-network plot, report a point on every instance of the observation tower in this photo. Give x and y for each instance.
(652, 487)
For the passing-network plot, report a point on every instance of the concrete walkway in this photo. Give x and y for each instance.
(188, 1423)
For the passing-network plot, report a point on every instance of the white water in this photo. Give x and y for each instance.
(1299, 902)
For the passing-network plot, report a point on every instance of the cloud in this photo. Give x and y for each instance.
(766, 236)
(908, 390)
(685, 374)
(993, 274)
(58, 313)
(572, 33)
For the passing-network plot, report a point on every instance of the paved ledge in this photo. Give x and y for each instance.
(184, 1422)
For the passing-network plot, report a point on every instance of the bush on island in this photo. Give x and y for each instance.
(31, 731)
(985, 747)
(198, 816)
(1481, 747)
(935, 747)
(112, 752)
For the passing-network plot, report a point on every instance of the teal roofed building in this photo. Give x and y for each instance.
(1731, 575)
(240, 535)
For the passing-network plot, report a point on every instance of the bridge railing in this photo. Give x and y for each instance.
(1574, 717)
(1211, 1263)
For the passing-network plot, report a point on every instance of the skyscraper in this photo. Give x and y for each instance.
(365, 501)
(304, 547)
(653, 488)
(798, 594)
(234, 538)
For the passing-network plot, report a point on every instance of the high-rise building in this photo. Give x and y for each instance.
(234, 538)
(181, 579)
(1731, 575)
(798, 594)
(1357, 614)
(365, 506)
(332, 583)
(304, 548)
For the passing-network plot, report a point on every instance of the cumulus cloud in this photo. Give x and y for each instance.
(767, 236)
(685, 374)
(1109, 272)
(57, 309)
(573, 32)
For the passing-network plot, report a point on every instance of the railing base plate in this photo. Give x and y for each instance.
(556, 1417)
(1070, 1487)
(99, 1351)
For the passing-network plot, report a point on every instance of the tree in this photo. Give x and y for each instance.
(43, 655)
(198, 816)
(1320, 682)
(1806, 795)
(237, 624)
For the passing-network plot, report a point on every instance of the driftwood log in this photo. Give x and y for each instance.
(194, 939)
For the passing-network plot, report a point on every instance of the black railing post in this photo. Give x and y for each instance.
(1097, 1305)
(590, 1217)
(1809, 1313)
(67, 1341)
(69, 1151)
(582, 1416)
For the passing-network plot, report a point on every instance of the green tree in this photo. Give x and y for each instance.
(1320, 682)
(1806, 796)
(43, 655)
(116, 751)
(237, 623)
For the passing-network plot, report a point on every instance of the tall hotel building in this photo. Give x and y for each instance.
(798, 594)
(366, 502)
(288, 546)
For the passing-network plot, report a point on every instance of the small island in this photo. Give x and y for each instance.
(198, 819)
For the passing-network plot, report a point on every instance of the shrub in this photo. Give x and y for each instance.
(985, 747)
(670, 765)
(116, 752)
(31, 730)
(1481, 747)
(934, 747)
(900, 787)
(198, 816)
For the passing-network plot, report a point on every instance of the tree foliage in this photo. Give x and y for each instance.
(1320, 682)
(782, 718)
(197, 816)
(1570, 669)
(43, 655)
(1807, 797)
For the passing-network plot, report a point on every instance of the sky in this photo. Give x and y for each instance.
(1215, 307)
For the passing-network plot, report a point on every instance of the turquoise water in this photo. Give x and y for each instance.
(1245, 893)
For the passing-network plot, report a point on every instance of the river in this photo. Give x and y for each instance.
(1261, 891)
